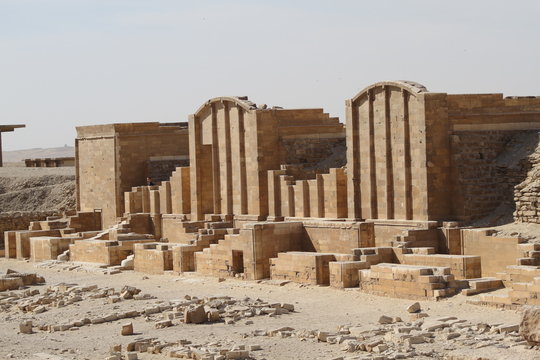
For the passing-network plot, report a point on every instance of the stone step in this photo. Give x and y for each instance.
(482, 285)
(218, 225)
(528, 261)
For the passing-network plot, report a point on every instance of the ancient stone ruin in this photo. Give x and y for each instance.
(386, 202)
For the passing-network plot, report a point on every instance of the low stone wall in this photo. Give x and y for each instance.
(496, 252)
(20, 220)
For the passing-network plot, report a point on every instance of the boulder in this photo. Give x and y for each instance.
(25, 327)
(127, 263)
(195, 314)
(414, 308)
(63, 256)
(529, 327)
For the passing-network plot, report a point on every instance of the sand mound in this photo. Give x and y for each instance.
(35, 189)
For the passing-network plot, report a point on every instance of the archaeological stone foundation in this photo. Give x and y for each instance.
(383, 203)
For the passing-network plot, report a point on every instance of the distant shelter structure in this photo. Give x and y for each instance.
(7, 128)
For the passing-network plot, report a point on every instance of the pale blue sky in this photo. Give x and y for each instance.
(65, 63)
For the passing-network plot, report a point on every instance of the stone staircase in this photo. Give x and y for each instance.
(522, 281)
(374, 255)
(481, 285)
(531, 254)
(217, 259)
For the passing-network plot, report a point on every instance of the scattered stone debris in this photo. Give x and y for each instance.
(393, 339)
(184, 349)
(63, 263)
(190, 310)
(60, 295)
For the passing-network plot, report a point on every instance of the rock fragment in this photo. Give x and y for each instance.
(127, 329)
(414, 308)
(26, 327)
(529, 327)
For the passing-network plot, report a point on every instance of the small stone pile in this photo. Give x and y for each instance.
(183, 349)
(193, 310)
(13, 280)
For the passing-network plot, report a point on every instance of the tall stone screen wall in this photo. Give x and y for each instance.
(394, 168)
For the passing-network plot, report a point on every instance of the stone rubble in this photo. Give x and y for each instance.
(183, 349)
(392, 338)
(60, 295)
(189, 310)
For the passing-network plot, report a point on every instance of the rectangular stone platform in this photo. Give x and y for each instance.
(408, 281)
(344, 274)
(304, 267)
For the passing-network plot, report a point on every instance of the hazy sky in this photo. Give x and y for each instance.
(66, 63)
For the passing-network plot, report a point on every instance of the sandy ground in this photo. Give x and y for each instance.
(316, 308)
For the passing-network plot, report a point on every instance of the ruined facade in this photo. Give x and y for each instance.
(260, 192)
